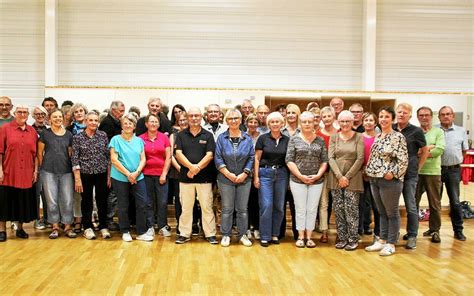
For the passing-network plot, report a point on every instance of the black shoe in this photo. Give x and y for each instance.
(368, 232)
(264, 243)
(3, 236)
(428, 233)
(460, 236)
(405, 236)
(182, 239)
(20, 233)
(195, 230)
(275, 242)
(212, 240)
(435, 238)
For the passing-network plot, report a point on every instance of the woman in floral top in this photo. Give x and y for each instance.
(386, 168)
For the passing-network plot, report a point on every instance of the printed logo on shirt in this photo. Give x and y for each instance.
(202, 141)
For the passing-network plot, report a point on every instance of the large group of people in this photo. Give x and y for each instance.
(239, 169)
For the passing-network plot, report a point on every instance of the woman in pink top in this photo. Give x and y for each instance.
(369, 121)
(158, 160)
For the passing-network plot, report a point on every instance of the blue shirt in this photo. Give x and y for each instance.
(456, 142)
(236, 160)
(128, 155)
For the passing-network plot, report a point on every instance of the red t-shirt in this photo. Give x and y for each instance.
(18, 148)
(326, 138)
(155, 152)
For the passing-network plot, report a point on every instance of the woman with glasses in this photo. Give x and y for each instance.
(346, 157)
(18, 172)
(234, 157)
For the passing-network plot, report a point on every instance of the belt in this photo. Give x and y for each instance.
(271, 166)
(447, 167)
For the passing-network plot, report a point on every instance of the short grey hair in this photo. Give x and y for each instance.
(306, 115)
(22, 106)
(78, 106)
(155, 99)
(328, 109)
(116, 104)
(233, 111)
(90, 113)
(275, 115)
(345, 114)
(130, 117)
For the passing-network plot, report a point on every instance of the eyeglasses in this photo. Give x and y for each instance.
(4, 105)
(357, 112)
(22, 112)
(233, 118)
(39, 114)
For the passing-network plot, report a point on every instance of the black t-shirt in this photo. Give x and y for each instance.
(359, 129)
(274, 151)
(415, 140)
(194, 149)
(56, 158)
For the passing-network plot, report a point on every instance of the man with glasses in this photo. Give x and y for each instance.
(155, 107)
(357, 110)
(262, 113)
(5, 110)
(246, 109)
(456, 147)
(213, 124)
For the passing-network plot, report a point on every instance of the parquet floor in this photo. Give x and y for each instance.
(39, 266)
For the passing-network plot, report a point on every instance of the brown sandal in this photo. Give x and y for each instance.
(324, 238)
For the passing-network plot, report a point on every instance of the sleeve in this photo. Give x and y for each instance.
(465, 144)
(3, 140)
(218, 156)
(141, 128)
(357, 165)
(332, 156)
(106, 126)
(211, 144)
(291, 151)
(259, 144)
(440, 144)
(75, 152)
(250, 161)
(167, 141)
(399, 164)
(420, 138)
(178, 143)
(324, 151)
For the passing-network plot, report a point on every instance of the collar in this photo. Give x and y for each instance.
(243, 135)
(17, 126)
(395, 127)
(188, 131)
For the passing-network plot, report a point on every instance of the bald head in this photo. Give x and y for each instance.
(5, 107)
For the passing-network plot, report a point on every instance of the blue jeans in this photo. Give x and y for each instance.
(273, 186)
(58, 190)
(387, 196)
(142, 204)
(451, 177)
(236, 197)
(158, 196)
(409, 190)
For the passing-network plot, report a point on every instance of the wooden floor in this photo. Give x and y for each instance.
(39, 266)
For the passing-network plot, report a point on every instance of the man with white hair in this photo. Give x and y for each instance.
(5, 110)
(262, 113)
(213, 124)
(155, 107)
(111, 123)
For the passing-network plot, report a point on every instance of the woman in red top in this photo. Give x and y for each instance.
(158, 160)
(18, 172)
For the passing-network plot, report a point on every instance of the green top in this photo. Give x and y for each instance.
(432, 166)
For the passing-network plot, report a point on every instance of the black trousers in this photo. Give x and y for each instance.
(89, 181)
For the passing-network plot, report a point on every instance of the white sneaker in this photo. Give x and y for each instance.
(387, 250)
(244, 240)
(256, 234)
(126, 237)
(249, 234)
(105, 233)
(165, 232)
(89, 233)
(145, 237)
(150, 232)
(225, 242)
(375, 247)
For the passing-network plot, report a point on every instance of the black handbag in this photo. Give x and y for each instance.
(467, 212)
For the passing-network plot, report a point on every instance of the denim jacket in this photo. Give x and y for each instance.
(235, 160)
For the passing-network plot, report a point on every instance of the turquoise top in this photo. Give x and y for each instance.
(128, 154)
(432, 166)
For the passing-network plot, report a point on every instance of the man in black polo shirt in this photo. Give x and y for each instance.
(194, 151)
(154, 107)
(417, 154)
